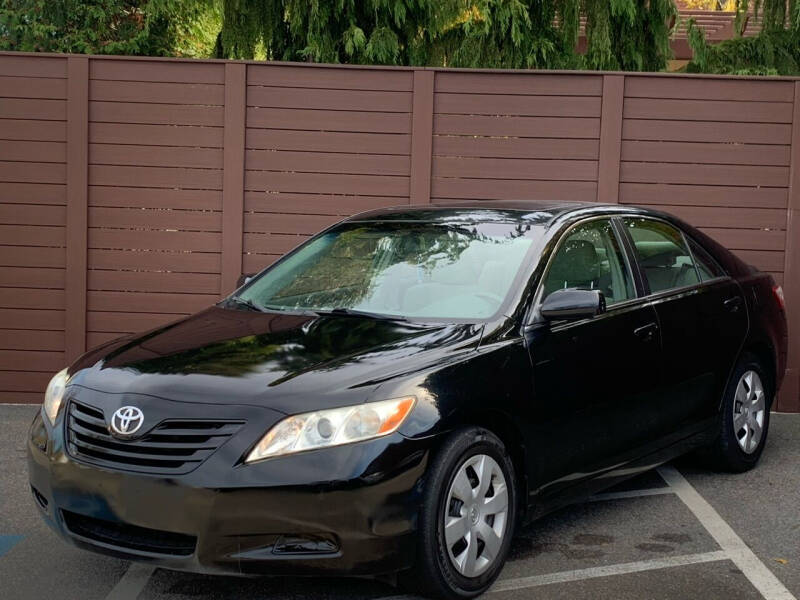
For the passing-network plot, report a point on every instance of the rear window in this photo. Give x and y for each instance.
(663, 254)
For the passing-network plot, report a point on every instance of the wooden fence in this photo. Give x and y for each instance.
(134, 191)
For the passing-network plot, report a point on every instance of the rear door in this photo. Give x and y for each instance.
(701, 314)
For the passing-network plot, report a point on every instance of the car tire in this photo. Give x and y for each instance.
(452, 570)
(745, 412)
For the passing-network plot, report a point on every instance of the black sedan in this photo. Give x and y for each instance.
(403, 390)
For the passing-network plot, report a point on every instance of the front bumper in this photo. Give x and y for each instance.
(348, 510)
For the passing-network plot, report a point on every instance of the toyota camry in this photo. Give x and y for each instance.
(401, 392)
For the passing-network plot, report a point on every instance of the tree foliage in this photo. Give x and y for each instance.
(621, 34)
(774, 51)
(137, 27)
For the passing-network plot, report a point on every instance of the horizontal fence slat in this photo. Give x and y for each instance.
(155, 135)
(32, 277)
(34, 151)
(504, 104)
(32, 130)
(314, 204)
(368, 101)
(127, 197)
(156, 71)
(27, 256)
(519, 83)
(155, 156)
(498, 189)
(30, 235)
(538, 127)
(328, 120)
(22, 318)
(731, 217)
(321, 183)
(179, 262)
(329, 78)
(25, 298)
(26, 339)
(708, 89)
(328, 141)
(157, 93)
(120, 322)
(149, 281)
(160, 302)
(641, 172)
(163, 177)
(33, 87)
(747, 239)
(154, 219)
(32, 214)
(708, 153)
(700, 131)
(114, 239)
(512, 147)
(707, 110)
(511, 168)
(703, 195)
(155, 114)
(278, 223)
(24, 108)
(326, 162)
(31, 360)
(33, 66)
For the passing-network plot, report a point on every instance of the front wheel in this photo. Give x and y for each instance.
(744, 421)
(467, 518)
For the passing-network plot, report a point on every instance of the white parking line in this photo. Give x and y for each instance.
(132, 582)
(748, 563)
(630, 494)
(619, 569)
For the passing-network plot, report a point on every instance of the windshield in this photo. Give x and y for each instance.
(425, 270)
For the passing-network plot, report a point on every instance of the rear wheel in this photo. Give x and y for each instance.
(744, 421)
(467, 519)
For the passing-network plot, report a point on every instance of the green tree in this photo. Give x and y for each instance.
(134, 27)
(774, 51)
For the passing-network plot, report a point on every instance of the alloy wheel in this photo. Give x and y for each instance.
(476, 515)
(749, 411)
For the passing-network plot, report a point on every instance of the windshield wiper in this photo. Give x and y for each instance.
(352, 312)
(239, 301)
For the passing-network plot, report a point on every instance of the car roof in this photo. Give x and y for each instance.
(542, 212)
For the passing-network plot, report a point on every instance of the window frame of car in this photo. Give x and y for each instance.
(533, 316)
(650, 295)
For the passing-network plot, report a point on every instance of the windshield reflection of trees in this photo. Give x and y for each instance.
(352, 269)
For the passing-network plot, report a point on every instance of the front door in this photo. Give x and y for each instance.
(595, 380)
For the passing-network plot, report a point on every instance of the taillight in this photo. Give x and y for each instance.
(777, 291)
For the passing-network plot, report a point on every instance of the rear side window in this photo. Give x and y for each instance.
(663, 254)
(706, 265)
(590, 258)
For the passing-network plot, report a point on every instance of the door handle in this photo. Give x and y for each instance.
(733, 304)
(647, 332)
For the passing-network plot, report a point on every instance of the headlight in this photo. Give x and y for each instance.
(333, 427)
(54, 395)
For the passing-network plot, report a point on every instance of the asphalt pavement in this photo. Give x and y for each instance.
(679, 532)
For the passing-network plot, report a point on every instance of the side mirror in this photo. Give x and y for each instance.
(243, 278)
(573, 304)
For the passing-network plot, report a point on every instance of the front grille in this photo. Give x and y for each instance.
(131, 537)
(172, 447)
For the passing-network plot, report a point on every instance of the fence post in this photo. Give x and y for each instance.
(233, 175)
(789, 399)
(610, 139)
(421, 137)
(77, 206)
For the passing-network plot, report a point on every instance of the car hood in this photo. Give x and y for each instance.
(289, 363)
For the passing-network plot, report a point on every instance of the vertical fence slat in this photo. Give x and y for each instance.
(421, 137)
(610, 139)
(233, 175)
(790, 394)
(77, 206)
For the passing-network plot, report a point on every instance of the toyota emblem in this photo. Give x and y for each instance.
(126, 421)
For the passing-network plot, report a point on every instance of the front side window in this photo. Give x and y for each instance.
(662, 253)
(411, 269)
(589, 257)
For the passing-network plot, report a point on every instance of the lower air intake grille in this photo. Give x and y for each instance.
(129, 536)
(172, 447)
